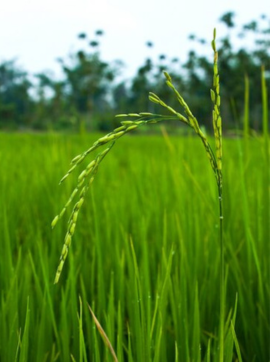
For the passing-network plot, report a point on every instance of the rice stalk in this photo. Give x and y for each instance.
(217, 126)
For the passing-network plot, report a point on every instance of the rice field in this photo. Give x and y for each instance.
(145, 255)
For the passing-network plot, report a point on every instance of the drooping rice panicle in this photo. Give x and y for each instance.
(88, 173)
(129, 125)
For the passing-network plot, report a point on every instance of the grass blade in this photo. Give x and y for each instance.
(25, 337)
(103, 335)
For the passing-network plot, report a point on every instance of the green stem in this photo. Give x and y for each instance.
(222, 272)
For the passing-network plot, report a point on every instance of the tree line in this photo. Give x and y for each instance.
(90, 92)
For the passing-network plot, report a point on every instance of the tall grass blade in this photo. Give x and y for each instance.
(83, 356)
(246, 107)
(196, 328)
(208, 353)
(265, 122)
(72, 358)
(237, 347)
(229, 340)
(265, 119)
(103, 335)
(25, 338)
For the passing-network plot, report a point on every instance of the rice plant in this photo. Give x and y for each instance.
(132, 122)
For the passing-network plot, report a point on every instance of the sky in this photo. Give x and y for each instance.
(38, 32)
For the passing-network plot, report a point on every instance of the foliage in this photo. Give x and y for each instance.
(144, 254)
(15, 101)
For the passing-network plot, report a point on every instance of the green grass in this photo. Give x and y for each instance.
(145, 255)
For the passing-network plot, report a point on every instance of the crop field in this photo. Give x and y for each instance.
(145, 255)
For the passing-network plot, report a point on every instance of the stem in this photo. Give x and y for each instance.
(222, 271)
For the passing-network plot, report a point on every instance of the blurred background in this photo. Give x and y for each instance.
(72, 66)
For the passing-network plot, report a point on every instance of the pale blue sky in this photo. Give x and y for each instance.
(37, 32)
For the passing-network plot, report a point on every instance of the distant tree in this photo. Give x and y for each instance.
(15, 101)
(89, 81)
(227, 19)
(51, 107)
(141, 85)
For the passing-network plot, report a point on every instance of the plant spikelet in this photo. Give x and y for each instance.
(54, 222)
(217, 122)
